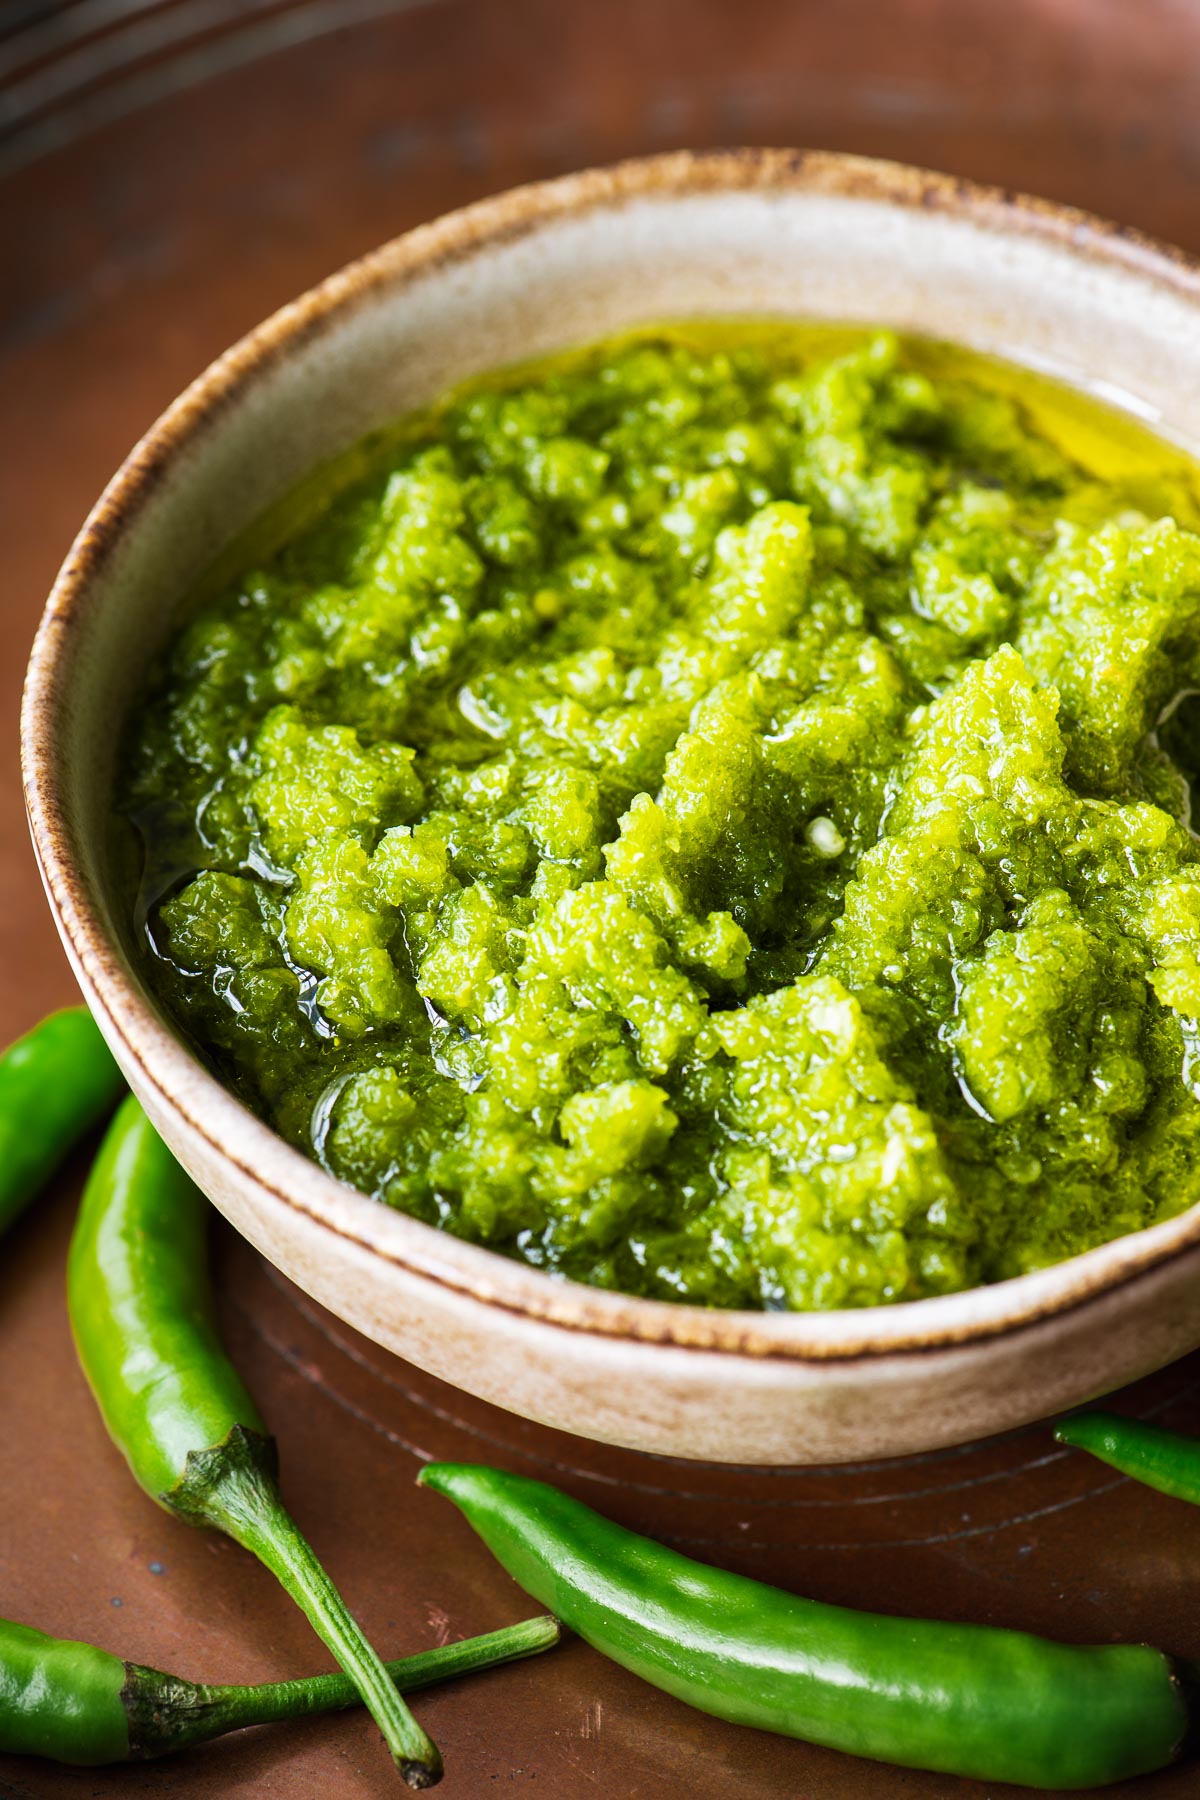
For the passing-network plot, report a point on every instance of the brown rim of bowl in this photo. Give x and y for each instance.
(912, 1327)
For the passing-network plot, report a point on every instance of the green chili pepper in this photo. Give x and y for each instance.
(56, 1083)
(1162, 1459)
(142, 1313)
(77, 1704)
(959, 1699)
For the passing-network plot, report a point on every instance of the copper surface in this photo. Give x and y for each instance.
(152, 213)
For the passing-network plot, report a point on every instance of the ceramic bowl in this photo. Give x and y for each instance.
(808, 235)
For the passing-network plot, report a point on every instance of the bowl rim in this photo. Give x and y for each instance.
(181, 1083)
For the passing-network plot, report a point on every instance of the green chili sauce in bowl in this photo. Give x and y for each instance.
(707, 815)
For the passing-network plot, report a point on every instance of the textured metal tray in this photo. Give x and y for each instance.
(168, 174)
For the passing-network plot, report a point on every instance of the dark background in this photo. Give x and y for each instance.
(169, 174)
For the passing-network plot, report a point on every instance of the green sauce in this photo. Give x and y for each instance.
(709, 816)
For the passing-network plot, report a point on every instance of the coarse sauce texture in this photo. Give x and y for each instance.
(709, 816)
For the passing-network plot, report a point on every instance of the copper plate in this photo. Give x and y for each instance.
(153, 211)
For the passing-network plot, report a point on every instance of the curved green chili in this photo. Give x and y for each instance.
(141, 1310)
(56, 1083)
(76, 1704)
(958, 1699)
(1161, 1459)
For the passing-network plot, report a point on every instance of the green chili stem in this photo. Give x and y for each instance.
(278, 1700)
(245, 1503)
(166, 1714)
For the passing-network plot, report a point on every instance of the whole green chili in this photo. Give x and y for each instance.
(76, 1704)
(1161, 1459)
(56, 1083)
(142, 1313)
(959, 1699)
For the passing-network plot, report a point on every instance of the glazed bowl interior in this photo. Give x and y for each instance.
(766, 233)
